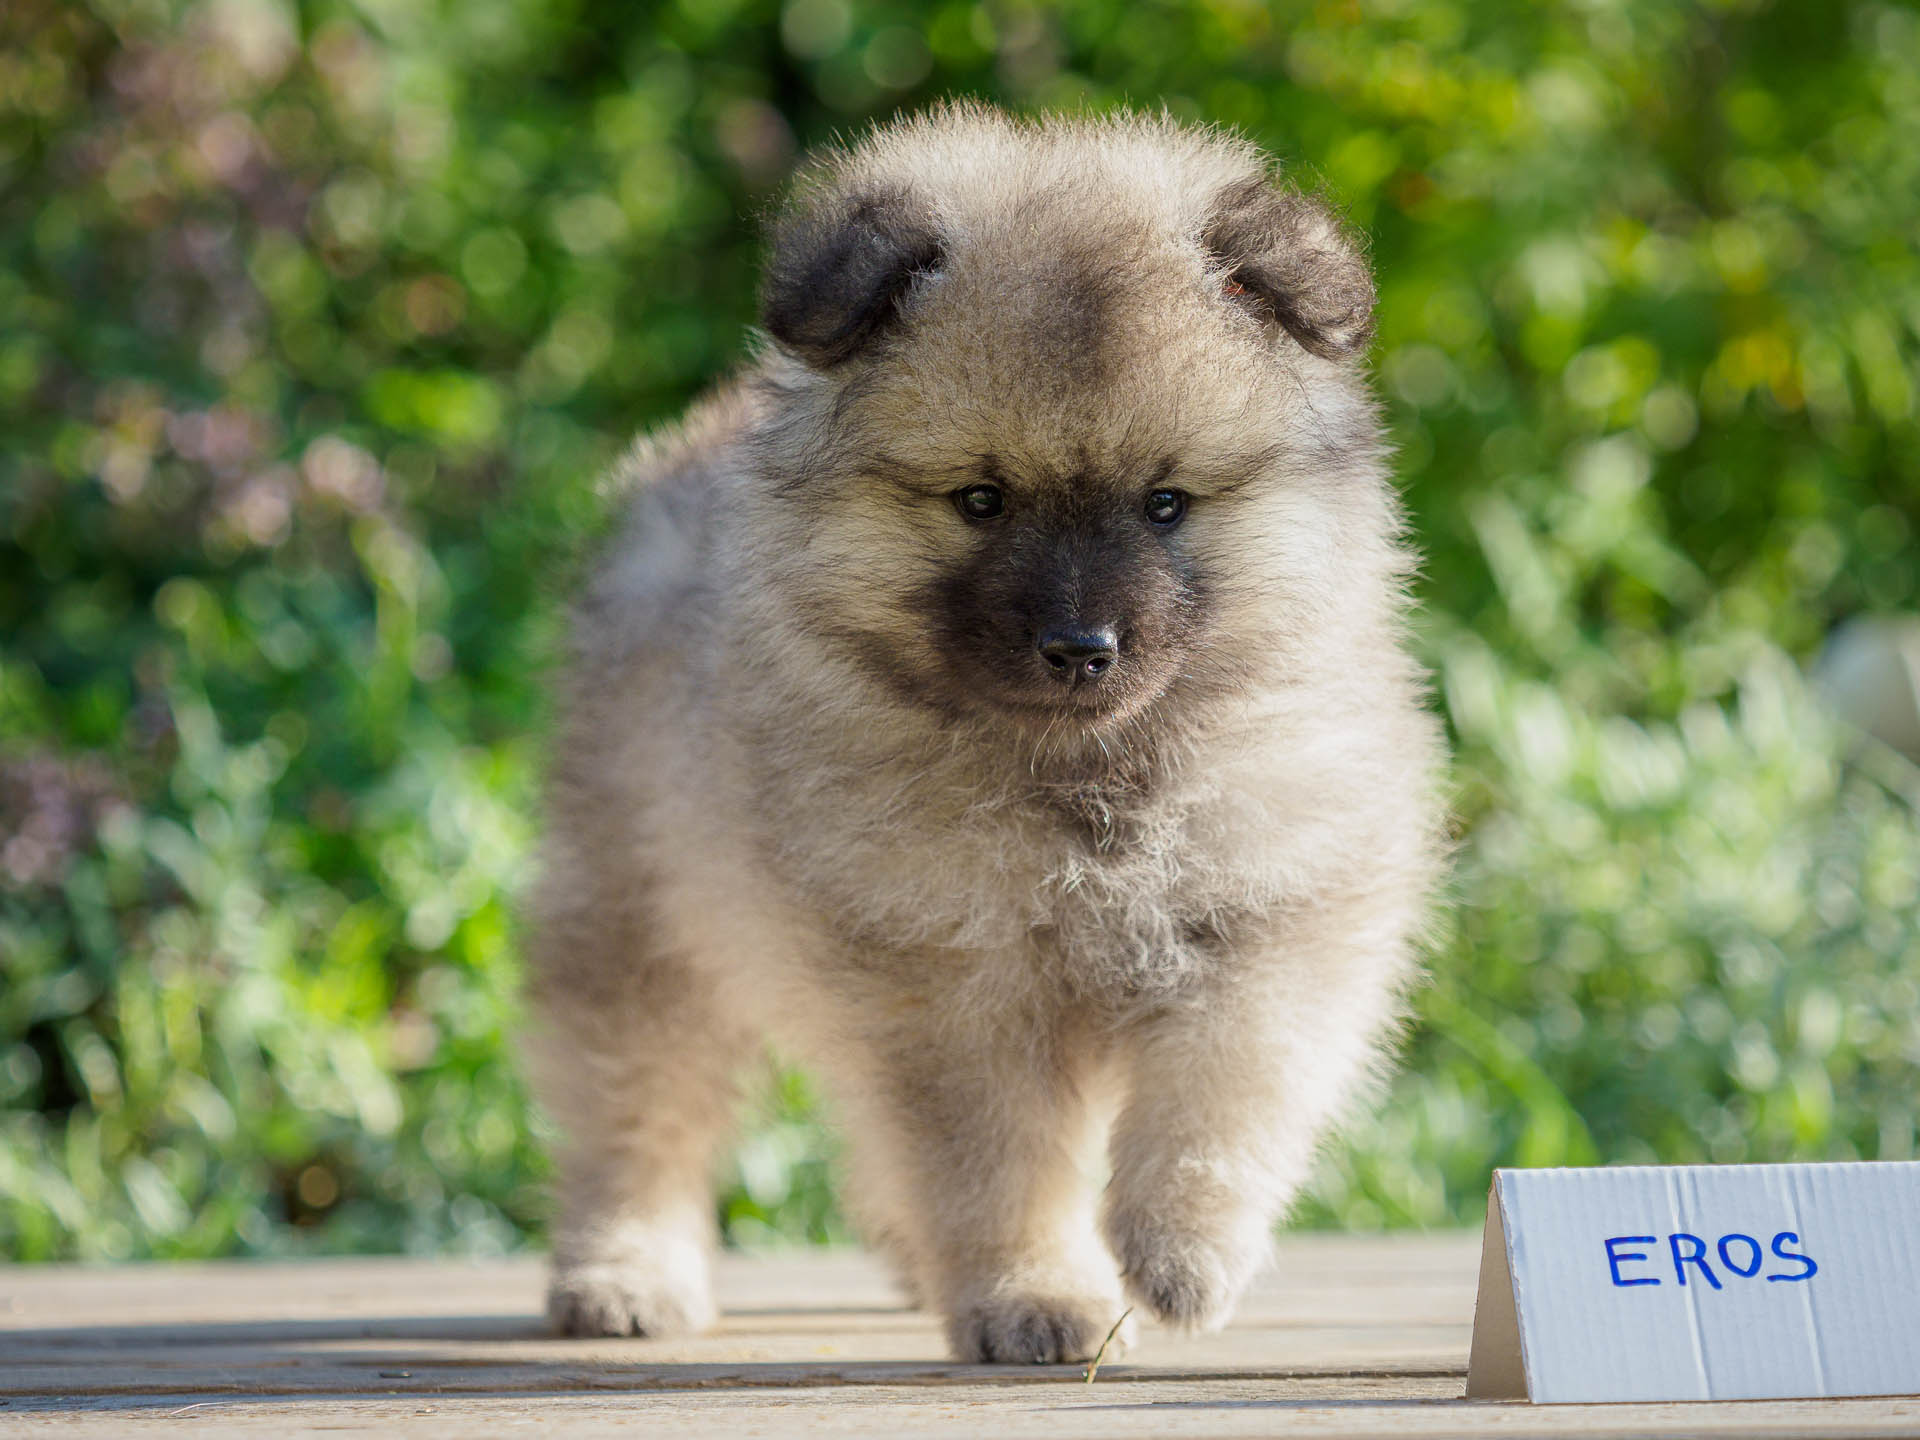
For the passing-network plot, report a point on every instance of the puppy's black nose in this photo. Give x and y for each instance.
(1077, 653)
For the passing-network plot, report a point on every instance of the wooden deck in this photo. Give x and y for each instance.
(1346, 1337)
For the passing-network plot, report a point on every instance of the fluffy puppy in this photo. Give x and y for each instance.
(997, 696)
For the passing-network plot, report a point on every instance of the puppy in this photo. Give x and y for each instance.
(997, 696)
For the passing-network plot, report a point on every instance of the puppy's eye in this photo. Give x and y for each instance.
(1167, 507)
(980, 502)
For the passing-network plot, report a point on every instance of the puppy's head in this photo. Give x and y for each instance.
(1069, 416)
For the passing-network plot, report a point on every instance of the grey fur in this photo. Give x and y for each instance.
(812, 782)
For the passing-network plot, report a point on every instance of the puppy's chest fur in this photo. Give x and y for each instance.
(1116, 890)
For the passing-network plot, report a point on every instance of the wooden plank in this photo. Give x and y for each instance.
(1348, 1408)
(1347, 1336)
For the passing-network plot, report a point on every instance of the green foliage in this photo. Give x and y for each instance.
(320, 320)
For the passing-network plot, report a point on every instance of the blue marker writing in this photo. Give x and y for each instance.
(1808, 1270)
(1755, 1254)
(1615, 1257)
(1697, 1257)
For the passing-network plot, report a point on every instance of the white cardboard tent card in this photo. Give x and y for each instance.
(1699, 1282)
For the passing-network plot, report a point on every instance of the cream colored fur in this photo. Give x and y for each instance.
(1169, 947)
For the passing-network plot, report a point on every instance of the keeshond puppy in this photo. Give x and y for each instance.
(997, 695)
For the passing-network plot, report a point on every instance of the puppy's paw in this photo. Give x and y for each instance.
(629, 1299)
(1186, 1278)
(1184, 1288)
(1032, 1329)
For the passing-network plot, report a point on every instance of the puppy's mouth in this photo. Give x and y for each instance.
(1061, 707)
(1065, 711)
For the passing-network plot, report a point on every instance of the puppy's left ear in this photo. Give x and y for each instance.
(1292, 255)
(839, 264)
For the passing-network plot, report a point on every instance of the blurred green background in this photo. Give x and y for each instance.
(318, 320)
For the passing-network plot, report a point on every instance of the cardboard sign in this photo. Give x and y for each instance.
(1699, 1282)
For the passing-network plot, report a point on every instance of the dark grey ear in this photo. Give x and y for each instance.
(1292, 255)
(838, 263)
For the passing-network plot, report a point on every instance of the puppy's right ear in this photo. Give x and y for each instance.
(839, 263)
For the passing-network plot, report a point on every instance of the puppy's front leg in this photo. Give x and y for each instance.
(1228, 1096)
(974, 1122)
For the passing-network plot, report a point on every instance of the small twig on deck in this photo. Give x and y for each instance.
(1101, 1353)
